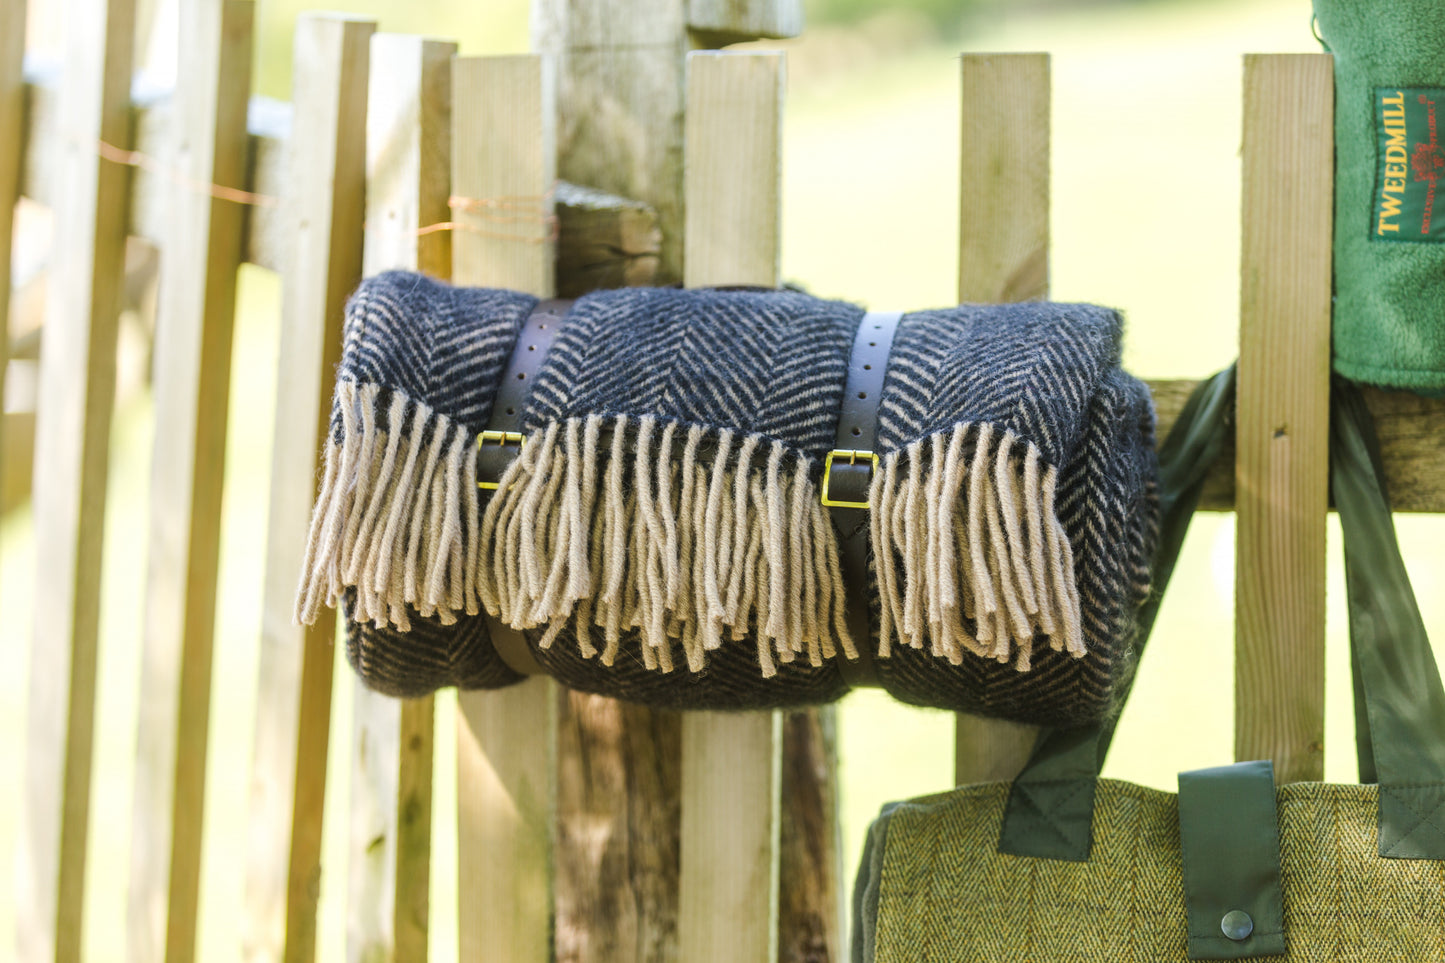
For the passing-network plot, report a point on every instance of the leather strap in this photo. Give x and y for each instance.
(497, 449)
(848, 472)
(847, 477)
(499, 444)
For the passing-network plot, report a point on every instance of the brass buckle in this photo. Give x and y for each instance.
(853, 457)
(501, 438)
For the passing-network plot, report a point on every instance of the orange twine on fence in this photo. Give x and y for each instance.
(534, 208)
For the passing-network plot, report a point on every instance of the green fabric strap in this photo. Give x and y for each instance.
(1050, 807)
(1229, 835)
(1402, 743)
(1402, 747)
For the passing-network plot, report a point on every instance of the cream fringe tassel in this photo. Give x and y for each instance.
(642, 532)
(969, 516)
(396, 517)
(624, 524)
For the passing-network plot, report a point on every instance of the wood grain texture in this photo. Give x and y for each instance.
(728, 897)
(620, 98)
(327, 173)
(732, 21)
(504, 177)
(810, 892)
(503, 147)
(619, 773)
(1282, 420)
(603, 241)
(734, 173)
(191, 383)
(1004, 179)
(728, 893)
(77, 386)
(408, 182)
(620, 95)
(1003, 255)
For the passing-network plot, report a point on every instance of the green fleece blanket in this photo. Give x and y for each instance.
(1389, 237)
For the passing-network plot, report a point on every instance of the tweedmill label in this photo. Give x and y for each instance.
(1409, 163)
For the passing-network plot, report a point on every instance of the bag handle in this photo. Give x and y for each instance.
(1050, 807)
(1399, 695)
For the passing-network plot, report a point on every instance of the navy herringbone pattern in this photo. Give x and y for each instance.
(445, 347)
(1049, 373)
(774, 364)
(768, 363)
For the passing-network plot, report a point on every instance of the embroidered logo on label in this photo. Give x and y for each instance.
(1410, 164)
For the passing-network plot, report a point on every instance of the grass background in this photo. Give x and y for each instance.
(1145, 218)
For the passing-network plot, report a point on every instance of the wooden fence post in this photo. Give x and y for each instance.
(1282, 467)
(503, 146)
(192, 379)
(72, 438)
(327, 176)
(1003, 256)
(408, 176)
(12, 142)
(728, 906)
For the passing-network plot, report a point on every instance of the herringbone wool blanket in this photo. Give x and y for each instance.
(660, 537)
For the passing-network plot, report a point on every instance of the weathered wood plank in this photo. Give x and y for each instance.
(1003, 255)
(153, 117)
(408, 182)
(12, 129)
(729, 21)
(619, 769)
(620, 102)
(504, 147)
(603, 241)
(734, 155)
(728, 897)
(811, 877)
(327, 173)
(1004, 178)
(77, 385)
(192, 378)
(1282, 421)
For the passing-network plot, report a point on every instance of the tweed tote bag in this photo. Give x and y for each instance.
(1062, 865)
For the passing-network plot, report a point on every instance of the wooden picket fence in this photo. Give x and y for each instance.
(429, 138)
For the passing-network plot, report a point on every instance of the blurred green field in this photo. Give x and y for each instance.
(1145, 218)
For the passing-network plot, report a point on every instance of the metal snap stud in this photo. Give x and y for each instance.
(1237, 925)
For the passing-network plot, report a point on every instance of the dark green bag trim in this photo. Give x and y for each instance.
(1402, 745)
(1049, 813)
(1050, 808)
(1229, 835)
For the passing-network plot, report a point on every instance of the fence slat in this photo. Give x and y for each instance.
(504, 145)
(77, 384)
(1003, 256)
(327, 174)
(195, 315)
(408, 150)
(728, 905)
(1282, 466)
(12, 131)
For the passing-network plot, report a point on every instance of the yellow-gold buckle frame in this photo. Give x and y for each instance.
(853, 457)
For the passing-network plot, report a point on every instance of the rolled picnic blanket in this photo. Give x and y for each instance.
(660, 536)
